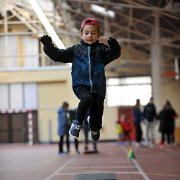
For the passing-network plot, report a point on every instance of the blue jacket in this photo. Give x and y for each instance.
(137, 115)
(149, 112)
(63, 122)
(88, 63)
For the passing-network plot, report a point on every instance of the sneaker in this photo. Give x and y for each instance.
(75, 129)
(95, 135)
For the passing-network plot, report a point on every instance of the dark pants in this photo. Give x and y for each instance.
(92, 102)
(76, 143)
(138, 132)
(61, 142)
(167, 135)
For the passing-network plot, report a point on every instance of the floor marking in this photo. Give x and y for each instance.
(95, 172)
(102, 167)
(140, 170)
(60, 168)
(136, 165)
(160, 174)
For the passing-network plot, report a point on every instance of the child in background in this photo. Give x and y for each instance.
(88, 59)
(119, 130)
(126, 128)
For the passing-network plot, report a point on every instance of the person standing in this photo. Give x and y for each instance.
(88, 59)
(149, 118)
(137, 116)
(167, 123)
(63, 127)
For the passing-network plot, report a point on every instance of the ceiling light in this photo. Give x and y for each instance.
(102, 10)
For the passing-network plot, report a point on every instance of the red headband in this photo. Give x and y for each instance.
(89, 21)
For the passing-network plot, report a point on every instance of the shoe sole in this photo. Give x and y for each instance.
(73, 136)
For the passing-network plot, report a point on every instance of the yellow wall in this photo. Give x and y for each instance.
(50, 96)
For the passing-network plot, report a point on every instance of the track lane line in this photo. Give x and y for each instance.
(60, 168)
(137, 165)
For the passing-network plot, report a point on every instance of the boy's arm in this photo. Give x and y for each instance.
(113, 51)
(56, 54)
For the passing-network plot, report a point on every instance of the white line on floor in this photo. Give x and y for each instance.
(60, 168)
(137, 165)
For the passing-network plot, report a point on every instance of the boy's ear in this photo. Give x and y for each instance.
(81, 33)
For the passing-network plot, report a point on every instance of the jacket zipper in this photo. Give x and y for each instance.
(90, 78)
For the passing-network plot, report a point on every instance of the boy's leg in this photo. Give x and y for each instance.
(96, 113)
(85, 103)
(86, 100)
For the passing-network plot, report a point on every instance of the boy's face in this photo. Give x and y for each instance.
(90, 34)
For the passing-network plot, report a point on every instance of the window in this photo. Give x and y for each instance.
(18, 96)
(125, 91)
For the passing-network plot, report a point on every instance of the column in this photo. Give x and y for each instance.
(156, 62)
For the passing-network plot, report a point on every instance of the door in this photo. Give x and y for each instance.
(14, 127)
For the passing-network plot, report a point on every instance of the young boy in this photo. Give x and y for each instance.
(88, 59)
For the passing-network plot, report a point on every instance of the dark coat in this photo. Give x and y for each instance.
(88, 62)
(167, 118)
(149, 112)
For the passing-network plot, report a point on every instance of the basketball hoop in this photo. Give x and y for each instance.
(173, 73)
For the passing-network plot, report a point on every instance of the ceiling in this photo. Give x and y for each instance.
(137, 25)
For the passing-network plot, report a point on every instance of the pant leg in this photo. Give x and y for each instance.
(67, 143)
(168, 138)
(138, 132)
(96, 112)
(85, 103)
(61, 141)
(76, 143)
(163, 137)
(153, 131)
(147, 130)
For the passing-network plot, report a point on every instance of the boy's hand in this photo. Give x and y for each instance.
(112, 42)
(46, 40)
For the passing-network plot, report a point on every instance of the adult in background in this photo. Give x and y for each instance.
(137, 116)
(63, 127)
(167, 123)
(149, 118)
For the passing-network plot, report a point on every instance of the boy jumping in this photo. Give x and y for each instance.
(88, 59)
